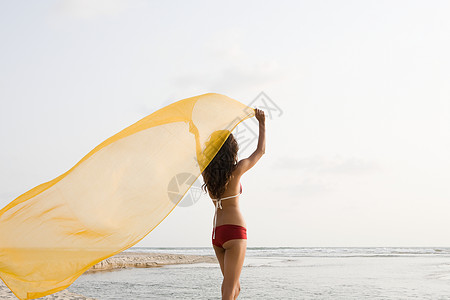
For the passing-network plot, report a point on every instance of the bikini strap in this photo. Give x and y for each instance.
(226, 197)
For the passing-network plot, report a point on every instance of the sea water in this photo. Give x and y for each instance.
(285, 273)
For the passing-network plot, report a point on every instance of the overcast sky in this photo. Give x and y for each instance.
(357, 150)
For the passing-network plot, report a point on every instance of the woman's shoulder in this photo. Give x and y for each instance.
(236, 174)
(238, 169)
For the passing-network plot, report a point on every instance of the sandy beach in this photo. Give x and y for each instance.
(120, 261)
(148, 260)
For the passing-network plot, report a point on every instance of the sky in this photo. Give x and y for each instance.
(356, 96)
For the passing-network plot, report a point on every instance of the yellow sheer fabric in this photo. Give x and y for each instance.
(113, 197)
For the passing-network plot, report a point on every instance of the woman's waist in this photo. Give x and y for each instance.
(229, 226)
(232, 222)
(235, 218)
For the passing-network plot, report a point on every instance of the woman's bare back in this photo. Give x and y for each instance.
(230, 212)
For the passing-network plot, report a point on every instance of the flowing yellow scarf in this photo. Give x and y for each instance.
(113, 197)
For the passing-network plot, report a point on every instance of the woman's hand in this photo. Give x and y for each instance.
(259, 114)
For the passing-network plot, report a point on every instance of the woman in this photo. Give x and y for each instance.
(222, 178)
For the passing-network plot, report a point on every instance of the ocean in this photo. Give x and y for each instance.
(285, 273)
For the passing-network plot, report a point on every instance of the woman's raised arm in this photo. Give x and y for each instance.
(247, 163)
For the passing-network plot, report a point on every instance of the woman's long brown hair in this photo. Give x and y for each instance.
(218, 173)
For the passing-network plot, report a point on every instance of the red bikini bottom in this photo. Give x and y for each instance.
(228, 232)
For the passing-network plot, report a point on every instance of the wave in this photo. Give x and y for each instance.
(310, 251)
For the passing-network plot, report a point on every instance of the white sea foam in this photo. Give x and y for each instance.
(313, 251)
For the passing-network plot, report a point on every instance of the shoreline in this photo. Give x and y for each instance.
(147, 260)
(120, 261)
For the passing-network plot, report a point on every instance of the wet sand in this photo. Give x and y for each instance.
(5, 293)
